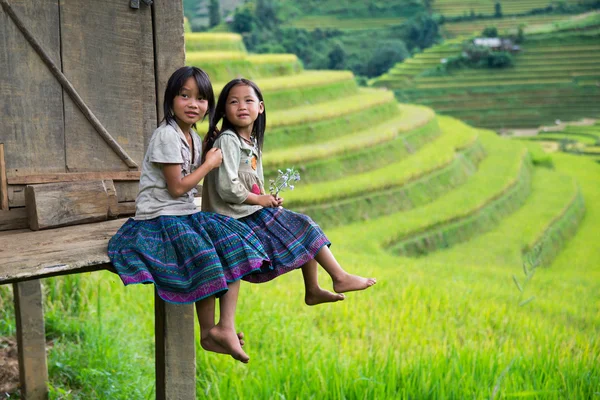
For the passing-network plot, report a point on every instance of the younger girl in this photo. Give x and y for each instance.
(236, 189)
(190, 256)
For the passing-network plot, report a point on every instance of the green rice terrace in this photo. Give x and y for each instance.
(577, 138)
(485, 248)
(453, 8)
(555, 76)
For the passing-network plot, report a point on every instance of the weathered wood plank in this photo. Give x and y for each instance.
(16, 196)
(29, 131)
(169, 44)
(108, 56)
(40, 254)
(3, 180)
(13, 219)
(112, 201)
(175, 350)
(75, 176)
(31, 340)
(126, 208)
(52, 205)
(127, 191)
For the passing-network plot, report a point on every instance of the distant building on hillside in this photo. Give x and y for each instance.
(497, 44)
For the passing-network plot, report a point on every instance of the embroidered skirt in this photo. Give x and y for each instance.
(188, 257)
(289, 238)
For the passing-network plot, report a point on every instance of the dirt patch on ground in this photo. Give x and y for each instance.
(9, 368)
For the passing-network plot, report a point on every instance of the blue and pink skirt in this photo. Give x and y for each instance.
(290, 240)
(188, 258)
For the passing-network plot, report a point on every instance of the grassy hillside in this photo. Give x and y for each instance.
(555, 77)
(484, 250)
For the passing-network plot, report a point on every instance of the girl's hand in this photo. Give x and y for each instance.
(213, 158)
(268, 200)
(279, 201)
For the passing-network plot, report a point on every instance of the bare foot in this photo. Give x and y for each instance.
(350, 283)
(318, 296)
(224, 341)
(209, 343)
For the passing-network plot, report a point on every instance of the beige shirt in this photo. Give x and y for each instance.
(167, 146)
(225, 189)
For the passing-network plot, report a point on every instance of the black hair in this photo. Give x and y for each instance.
(176, 82)
(258, 130)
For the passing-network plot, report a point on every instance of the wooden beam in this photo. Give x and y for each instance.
(31, 340)
(74, 177)
(175, 350)
(3, 180)
(52, 205)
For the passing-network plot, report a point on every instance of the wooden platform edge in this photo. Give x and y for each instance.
(55, 270)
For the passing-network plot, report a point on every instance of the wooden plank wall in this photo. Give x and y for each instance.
(108, 56)
(31, 105)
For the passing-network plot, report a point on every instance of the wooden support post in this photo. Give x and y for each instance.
(175, 350)
(3, 180)
(31, 339)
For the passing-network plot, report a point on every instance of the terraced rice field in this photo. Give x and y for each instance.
(554, 78)
(576, 139)
(505, 26)
(453, 8)
(314, 22)
(444, 214)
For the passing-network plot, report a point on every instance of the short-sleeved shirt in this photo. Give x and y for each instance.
(167, 146)
(226, 188)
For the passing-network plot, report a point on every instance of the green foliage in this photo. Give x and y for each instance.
(490, 32)
(498, 10)
(366, 53)
(214, 13)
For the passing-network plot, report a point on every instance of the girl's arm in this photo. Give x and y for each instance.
(178, 185)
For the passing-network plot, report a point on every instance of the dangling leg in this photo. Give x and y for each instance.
(205, 309)
(223, 333)
(314, 294)
(342, 281)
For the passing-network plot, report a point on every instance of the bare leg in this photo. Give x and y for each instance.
(342, 281)
(314, 294)
(205, 309)
(223, 333)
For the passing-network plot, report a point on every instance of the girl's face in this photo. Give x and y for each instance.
(189, 106)
(243, 107)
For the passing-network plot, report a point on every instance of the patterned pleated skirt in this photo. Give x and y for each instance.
(188, 257)
(289, 238)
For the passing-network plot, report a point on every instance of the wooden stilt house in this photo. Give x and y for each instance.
(81, 83)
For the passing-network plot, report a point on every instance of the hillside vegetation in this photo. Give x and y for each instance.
(488, 276)
(555, 76)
